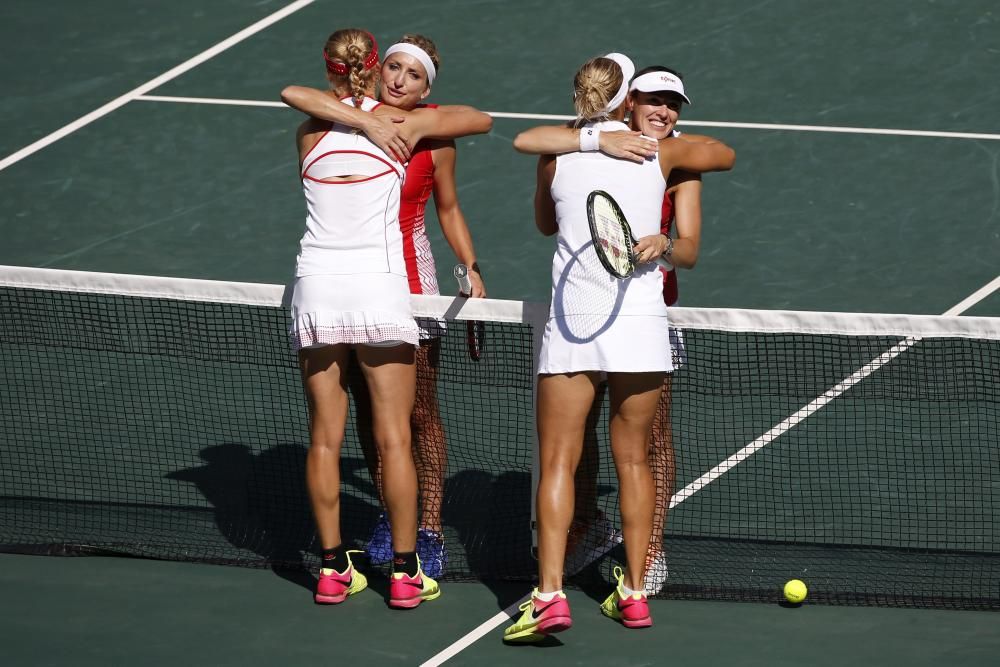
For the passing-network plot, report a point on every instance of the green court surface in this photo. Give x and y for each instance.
(112, 611)
(822, 218)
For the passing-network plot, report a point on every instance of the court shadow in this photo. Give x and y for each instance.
(492, 515)
(593, 580)
(261, 505)
(549, 641)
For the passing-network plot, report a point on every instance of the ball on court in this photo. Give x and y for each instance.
(795, 591)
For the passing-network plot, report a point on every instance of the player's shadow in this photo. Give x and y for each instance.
(492, 516)
(261, 504)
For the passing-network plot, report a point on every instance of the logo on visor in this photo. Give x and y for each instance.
(666, 78)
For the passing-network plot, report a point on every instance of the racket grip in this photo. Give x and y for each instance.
(464, 282)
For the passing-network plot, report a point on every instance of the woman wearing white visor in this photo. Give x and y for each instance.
(656, 96)
(631, 347)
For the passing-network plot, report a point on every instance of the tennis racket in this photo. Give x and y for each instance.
(475, 332)
(612, 236)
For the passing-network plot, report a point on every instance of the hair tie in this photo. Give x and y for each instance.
(372, 59)
(341, 69)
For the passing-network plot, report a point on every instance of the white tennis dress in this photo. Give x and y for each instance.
(596, 321)
(350, 278)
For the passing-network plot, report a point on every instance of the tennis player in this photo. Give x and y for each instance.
(351, 293)
(631, 347)
(408, 72)
(656, 96)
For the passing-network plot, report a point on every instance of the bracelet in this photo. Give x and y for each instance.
(590, 139)
(670, 248)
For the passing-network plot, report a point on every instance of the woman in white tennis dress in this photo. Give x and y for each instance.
(601, 325)
(351, 293)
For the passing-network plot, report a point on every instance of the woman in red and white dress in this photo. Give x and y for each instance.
(351, 293)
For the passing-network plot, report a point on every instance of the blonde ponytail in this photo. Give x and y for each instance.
(594, 85)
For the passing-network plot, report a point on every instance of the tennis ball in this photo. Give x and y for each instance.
(795, 591)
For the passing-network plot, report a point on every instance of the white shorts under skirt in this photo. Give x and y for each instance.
(356, 309)
(628, 344)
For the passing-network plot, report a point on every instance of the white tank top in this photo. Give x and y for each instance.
(351, 227)
(576, 271)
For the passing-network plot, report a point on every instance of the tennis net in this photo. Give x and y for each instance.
(164, 418)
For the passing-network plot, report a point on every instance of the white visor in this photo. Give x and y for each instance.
(656, 82)
(416, 52)
(628, 71)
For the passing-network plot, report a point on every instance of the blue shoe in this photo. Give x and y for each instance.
(380, 545)
(430, 549)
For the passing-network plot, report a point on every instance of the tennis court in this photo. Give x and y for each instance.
(866, 181)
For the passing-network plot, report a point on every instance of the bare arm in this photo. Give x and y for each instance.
(383, 130)
(695, 156)
(697, 138)
(685, 188)
(437, 124)
(545, 206)
(453, 225)
(687, 219)
(550, 140)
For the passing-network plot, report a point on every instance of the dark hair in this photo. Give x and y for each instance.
(657, 68)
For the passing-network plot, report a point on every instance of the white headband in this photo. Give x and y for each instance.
(628, 71)
(416, 52)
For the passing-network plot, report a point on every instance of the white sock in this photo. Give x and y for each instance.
(547, 597)
(628, 592)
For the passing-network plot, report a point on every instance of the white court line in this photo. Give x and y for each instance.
(692, 123)
(210, 100)
(740, 456)
(484, 629)
(975, 297)
(152, 83)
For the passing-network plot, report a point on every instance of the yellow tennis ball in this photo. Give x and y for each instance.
(795, 591)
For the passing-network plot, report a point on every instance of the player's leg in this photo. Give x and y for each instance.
(323, 378)
(662, 465)
(430, 457)
(634, 397)
(563, 404)
(591, 535)
(358, 389)
(391, 376)
(379, 545)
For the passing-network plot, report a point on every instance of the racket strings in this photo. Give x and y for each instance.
(614, 243)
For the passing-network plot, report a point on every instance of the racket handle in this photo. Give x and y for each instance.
(664, 263)
(464, 282)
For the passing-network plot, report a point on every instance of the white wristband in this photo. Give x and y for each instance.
(590, 139)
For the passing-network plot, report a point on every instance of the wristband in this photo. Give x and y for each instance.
(590, 139)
